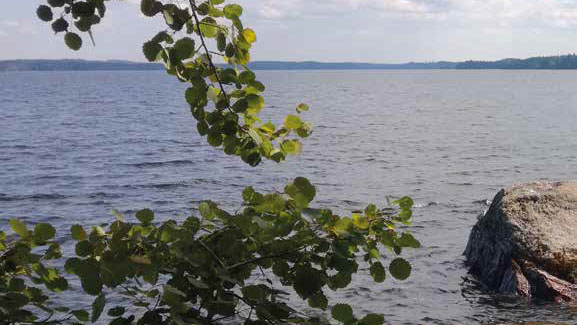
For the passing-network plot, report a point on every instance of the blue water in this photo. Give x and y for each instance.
(75, 145)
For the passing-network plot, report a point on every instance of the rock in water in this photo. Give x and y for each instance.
(526, 243)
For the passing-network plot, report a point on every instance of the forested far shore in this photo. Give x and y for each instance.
(560, 62)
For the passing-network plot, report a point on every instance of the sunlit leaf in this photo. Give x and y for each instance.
(19, 227)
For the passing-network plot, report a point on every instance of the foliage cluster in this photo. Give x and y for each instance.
(214, 267)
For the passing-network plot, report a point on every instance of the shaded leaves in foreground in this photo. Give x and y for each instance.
(209, 267)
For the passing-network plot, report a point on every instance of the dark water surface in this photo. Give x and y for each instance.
(74, 145)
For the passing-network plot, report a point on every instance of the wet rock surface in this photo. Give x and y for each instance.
(526, 243)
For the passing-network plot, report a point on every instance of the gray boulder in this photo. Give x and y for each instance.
(526, 243)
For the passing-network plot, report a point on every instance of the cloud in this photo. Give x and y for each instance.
(17, 26)
(552, 13)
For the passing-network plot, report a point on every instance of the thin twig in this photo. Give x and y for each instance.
(258, 259)
(210, 63)
(213, 255)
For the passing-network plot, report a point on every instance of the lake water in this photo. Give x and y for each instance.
(74, 145)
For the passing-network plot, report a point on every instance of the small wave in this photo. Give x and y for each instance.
(34, 197)
(483, 202)
(424, 205)
(102, 195)
(18, 146)
(161, 163)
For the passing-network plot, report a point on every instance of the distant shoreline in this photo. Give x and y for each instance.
(562, 62)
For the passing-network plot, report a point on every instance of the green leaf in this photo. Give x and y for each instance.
(246, 77)
(302, 108)
(318, 301)
(162, 37)
(372, 319)
(56, 3)
(151, 51)
(208, 27)
(150, 7)
(44, 232)
(16, 285)
(230, 50)
(302, 191)
(206, 211)
(258, 293)
(344, 226)
(145, 216)
(291, 147)
(221, 42)
(407, 240)
(404, 203)
(292, 122)
(343, 313)
(184, 48)
(215, 138)
(194, 95)
(341, 280)
(19, 228)
(81, 315)
(255, 101)
(116, 311)
(78, 233)
(98, 307)
(400, 269)
(378, 272)
(361, 221)
(249, 35)
(44, 13)
(232, 11)
(308, 282)
(73, 41)
(84, 248)
(60, 25)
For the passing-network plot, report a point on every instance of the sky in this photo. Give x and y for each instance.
(378, 31)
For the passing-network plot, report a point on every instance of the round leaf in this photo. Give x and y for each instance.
(184, 48)
(44, 232)
(151, 50)
(232, 11)
(145, 216)
(249, 35)
(78, 233)
(292, 122)
(373, 319)
(56, 3)
(400, 269)
(150, 8)
(343, 313)
(60, 25)
(44, 13)
(208, 27)
(302, 108)
(73, 41)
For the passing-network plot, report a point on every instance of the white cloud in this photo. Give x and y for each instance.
(18, 26)
(556, 13)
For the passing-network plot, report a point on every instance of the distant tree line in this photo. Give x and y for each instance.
(545, 62)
